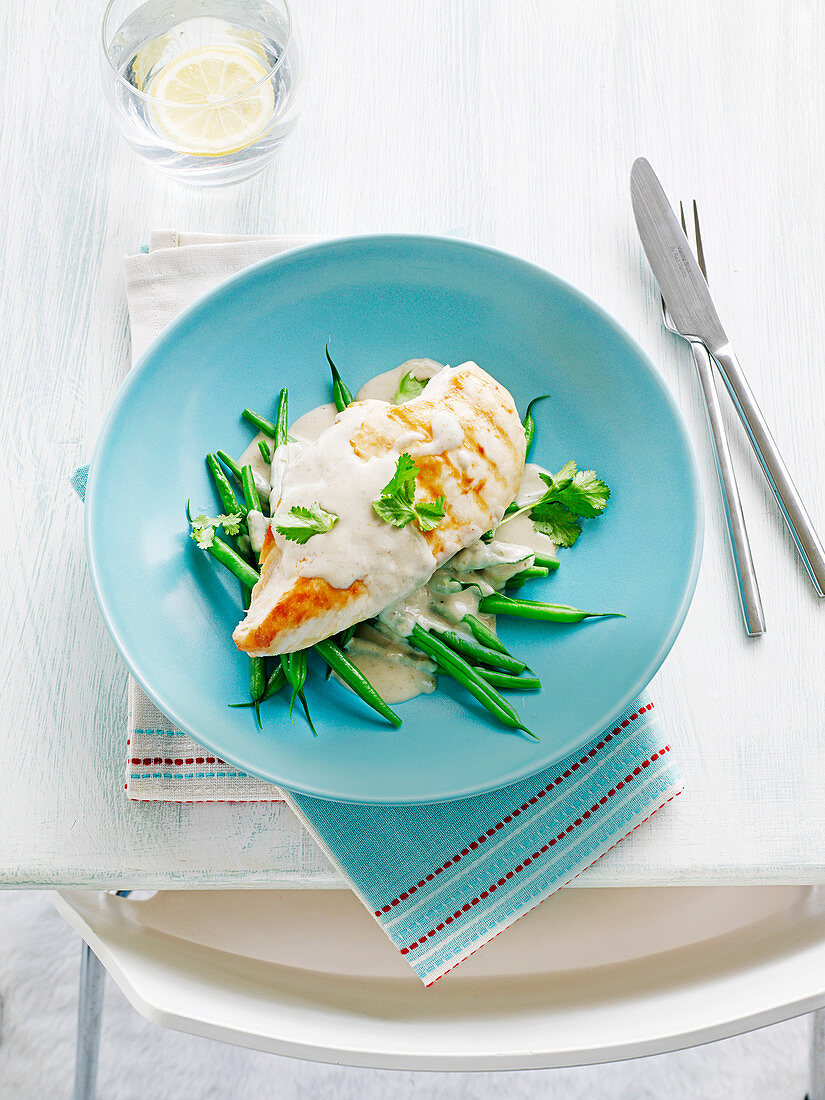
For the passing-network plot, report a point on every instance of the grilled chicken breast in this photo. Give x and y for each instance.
(465, 436)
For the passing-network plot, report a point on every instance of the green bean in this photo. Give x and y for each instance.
(497, 604)
(469, 678)
(475, 651)
(274, 684)
(276, 681)
(229, 501)
(529, 423)
(230, 464)
(266, 454)
(294, 666)
(250, 493)
(484, 634)
(506, 680)
(261, 423)
(340, 393)
(339, 662)
(257, 671)
(223, 552)
(295, 670)
(546, 561)
(257, 684)
(282, 419)
(531, 573)
(305, 705)
(342, 640)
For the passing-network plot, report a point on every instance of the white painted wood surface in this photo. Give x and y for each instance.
(518, 122)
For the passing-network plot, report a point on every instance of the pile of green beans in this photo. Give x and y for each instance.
(481, 654)
(469, 678)
(476, 657)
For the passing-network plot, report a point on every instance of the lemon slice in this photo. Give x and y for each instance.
(189, 100)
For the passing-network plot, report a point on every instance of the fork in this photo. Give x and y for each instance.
(749, 597)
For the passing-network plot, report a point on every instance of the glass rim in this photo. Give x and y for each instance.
(171, 103)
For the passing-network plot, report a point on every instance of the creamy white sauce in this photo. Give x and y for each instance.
(309, 426)
(282, 459)
(431, 609)
(257, 524)
(520, 529)
(484, 555)
(252, 457)
(384, 387)
(396, 671)
(532, 488)
(361, 544)
(447, 434)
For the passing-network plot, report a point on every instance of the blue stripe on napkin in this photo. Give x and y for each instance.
(78, 481)
(444, 878)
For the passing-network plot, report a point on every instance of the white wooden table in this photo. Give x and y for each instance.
(518, 122)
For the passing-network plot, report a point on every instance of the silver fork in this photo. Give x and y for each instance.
(749, 597)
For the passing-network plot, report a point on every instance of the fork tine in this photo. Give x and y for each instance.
(700, 252)
(682, 216)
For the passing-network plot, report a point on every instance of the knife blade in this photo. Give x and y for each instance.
(691, 307)
(678, 274)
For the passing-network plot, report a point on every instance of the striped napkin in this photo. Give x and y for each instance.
(441, 879)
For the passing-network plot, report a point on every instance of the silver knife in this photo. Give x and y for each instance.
(694, 314)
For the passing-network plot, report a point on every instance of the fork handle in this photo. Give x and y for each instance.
(749, 597)
(787, 496)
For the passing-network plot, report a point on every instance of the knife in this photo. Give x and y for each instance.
(694, 314)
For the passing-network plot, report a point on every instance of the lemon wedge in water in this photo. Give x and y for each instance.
(189, 100)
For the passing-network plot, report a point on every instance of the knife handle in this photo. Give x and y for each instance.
(790, 503)
(749, 597)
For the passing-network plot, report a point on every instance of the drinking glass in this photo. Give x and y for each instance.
(204, 90)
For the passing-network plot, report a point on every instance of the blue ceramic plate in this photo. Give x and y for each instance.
(170, 609)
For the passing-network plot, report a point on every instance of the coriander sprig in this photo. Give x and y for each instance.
(397, 504)
(205, 527)
(572, 495)
(300, 524)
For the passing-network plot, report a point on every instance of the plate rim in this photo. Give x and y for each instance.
(250, 272)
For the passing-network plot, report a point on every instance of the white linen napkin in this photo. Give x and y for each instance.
(163, 764)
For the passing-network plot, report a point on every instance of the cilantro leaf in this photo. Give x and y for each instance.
(562, 479)
(231, 523)
(396, 504)
(429, 513)
(409, 387)
(582, 492)
(402, 483)
(300, 524)
(572, 495)
(204, 528)
(553, 519)
(203, 531)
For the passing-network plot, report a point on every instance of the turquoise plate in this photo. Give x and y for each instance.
(383, 299)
